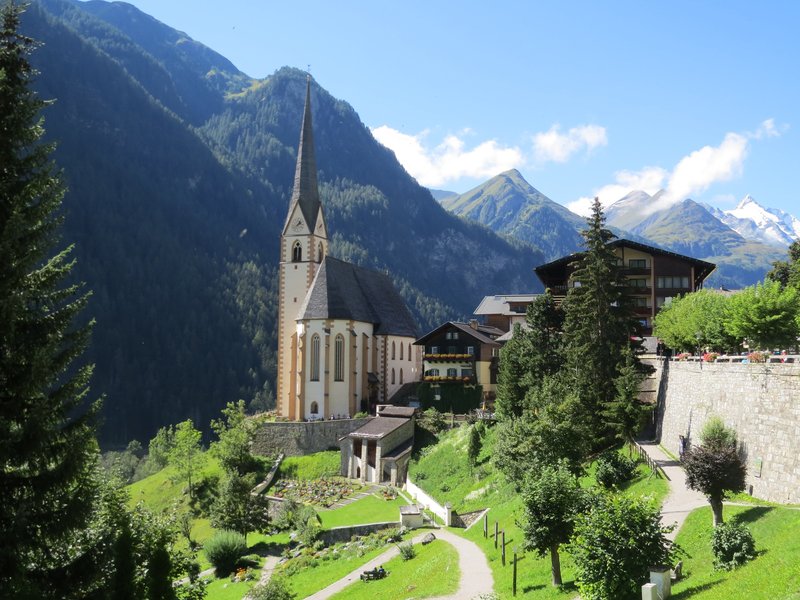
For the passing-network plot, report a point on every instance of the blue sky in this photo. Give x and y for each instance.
(584, 98)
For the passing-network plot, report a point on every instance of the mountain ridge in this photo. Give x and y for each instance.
(176, 218)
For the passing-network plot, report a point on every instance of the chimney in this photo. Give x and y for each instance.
(473, 323)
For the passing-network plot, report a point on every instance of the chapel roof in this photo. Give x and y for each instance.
(378, 427)
(342, 290)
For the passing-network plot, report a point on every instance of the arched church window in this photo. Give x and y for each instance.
(297, 252)
(315, 357)
(393, 352)
(401, 375)
(314, 408)
(320, 253)
(401, 351)
(338, 359)
(392, 376)
(409, 350)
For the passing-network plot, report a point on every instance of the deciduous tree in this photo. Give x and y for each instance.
(715, 467)
(551, 499)
(186, 453)
(234, 432)
(695, 320)
(765, 315)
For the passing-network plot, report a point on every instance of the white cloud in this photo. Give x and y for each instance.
(450, 160)
(649, 179)
(695, 173)
(692, 175)
(552, 145)
(769, 129)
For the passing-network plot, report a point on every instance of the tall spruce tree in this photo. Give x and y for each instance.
(47, 444)
(532, 354)
(598, 325)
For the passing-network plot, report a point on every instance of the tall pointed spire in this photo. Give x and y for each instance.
(306, 191)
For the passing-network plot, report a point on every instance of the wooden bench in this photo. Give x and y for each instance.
(373, 574)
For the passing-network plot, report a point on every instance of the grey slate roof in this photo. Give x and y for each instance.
(479, 334)
(405, 412)
(499, 304)
(305, 191)
(342, 290)
(378, 427)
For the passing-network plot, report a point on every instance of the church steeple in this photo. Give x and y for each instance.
(305, 193)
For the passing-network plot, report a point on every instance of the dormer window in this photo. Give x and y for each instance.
(297, 252)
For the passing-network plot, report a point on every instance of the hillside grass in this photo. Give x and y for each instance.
(163, 491)
(433, 572)
(448, 477)
(773, 575)
(312, 466)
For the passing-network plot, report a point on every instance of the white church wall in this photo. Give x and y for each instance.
(408, 365)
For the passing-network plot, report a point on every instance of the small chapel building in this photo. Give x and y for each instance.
(345, 335)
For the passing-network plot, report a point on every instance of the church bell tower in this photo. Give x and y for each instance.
(304, 245)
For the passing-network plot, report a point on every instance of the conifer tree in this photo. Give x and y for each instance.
(598, 325)
(47, 445)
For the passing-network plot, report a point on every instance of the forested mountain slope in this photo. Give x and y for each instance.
(179, 171)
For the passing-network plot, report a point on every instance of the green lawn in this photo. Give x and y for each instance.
(448, 477)
(369, 509)
(773, 575)
(225, 589)
(321, 573)
(432, 572)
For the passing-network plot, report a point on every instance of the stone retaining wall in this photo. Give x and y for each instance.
(299, 439)
(760, 401)
(346, 532)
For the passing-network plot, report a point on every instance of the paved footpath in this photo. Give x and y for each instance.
(680, 501)
(476, 576)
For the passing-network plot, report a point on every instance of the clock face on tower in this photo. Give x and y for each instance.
(298, 224)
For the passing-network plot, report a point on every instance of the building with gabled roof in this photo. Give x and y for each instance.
(345, 335)
(655, 276)
(379, 450)
(504, 310)
(461, 355)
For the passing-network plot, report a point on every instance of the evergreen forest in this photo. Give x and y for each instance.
(178, 170)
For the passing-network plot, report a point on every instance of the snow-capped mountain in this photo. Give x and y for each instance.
(754, 222)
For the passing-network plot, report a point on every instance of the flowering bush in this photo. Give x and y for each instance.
(710, 356)
(757, 357)
(683, 356)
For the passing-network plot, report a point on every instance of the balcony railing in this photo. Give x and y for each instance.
(449, 379)
(440, 357)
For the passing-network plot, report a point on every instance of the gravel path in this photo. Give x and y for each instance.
(680, 501)
(476, 576)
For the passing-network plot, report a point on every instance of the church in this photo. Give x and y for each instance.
(345, 335)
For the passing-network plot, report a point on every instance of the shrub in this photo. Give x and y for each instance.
(614, 468)
(224, 549)
(732, 544)
(407, 550)
(275, 589)
(435, 420)
(614, 545)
